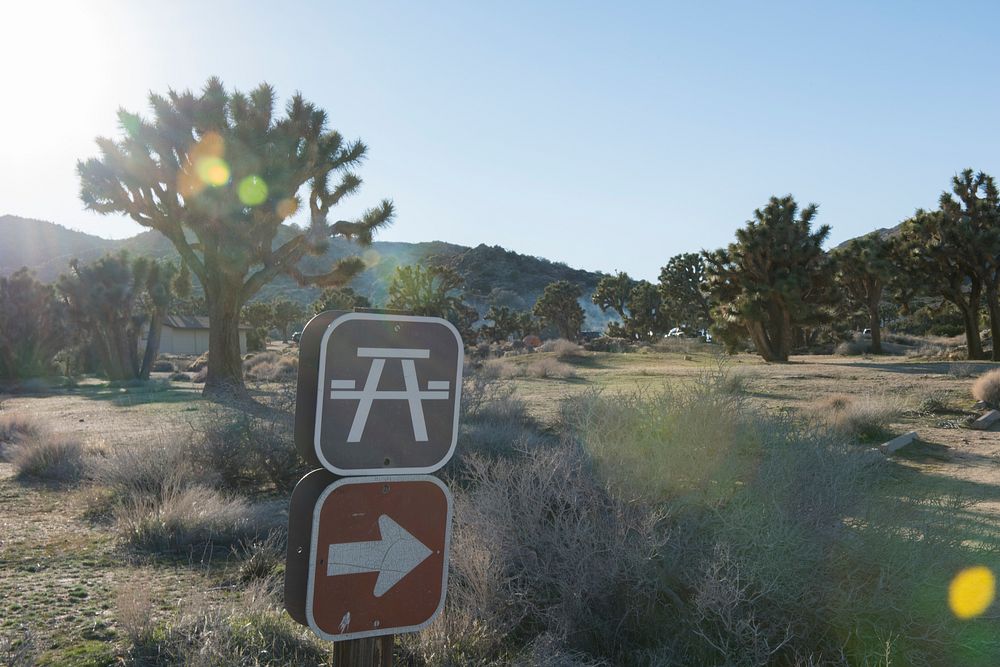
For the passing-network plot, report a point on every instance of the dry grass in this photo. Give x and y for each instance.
(563, 349)
(271, 366)
(48, 458)
(864, 417)
(250, 628)
(14, 426)
(550, 368)
(191, 516)
(986, 388)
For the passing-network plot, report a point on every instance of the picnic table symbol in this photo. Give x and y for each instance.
(346, 390)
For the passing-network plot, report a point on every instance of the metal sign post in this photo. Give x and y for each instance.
(378, 408)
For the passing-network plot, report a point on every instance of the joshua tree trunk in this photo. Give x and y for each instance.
(875, 324)
(225, 370)
(993, 306)
(152, 343)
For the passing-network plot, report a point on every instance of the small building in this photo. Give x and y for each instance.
(188, 334)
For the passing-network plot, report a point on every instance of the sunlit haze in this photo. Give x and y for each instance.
(605, 136)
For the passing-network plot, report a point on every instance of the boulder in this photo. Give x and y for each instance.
(896, 444)
(987, 420)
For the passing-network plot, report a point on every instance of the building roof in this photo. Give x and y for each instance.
(189, 322)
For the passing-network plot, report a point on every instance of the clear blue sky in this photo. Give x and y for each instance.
(608, 136)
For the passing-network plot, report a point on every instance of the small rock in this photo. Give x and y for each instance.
(987, 420)
(896, 444)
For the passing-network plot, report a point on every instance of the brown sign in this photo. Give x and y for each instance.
(378, 558)
(388, 394)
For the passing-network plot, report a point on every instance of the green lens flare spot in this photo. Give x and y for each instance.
(252, 191)
(212, 171)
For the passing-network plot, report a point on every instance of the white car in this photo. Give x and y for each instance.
(676, 332)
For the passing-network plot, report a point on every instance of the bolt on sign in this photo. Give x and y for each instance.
(378, 556)
(388, 394)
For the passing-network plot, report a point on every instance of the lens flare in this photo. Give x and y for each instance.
(212, 171)
(252, 191)
(206, 166)
(286, 207)
(971, 591)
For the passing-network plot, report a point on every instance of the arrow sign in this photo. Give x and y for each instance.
(378, 555)
(393, 557)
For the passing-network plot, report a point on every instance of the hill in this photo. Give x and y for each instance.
(493, 275)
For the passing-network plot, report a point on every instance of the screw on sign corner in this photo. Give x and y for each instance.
(368, 652)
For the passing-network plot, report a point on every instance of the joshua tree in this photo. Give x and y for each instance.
(614, 292)
(32, 326)
(774, 278)
(340, 298)
(863, 267)
(684, 291)
(284, 313)
(558, 306)
(218, 173)
(433, 292)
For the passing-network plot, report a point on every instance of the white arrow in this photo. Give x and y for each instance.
(393, 557)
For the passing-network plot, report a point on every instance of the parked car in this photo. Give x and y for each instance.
(676, 332)
(296, 336)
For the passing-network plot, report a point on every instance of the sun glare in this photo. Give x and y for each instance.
(971, 592)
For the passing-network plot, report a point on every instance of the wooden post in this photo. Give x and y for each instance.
(368, 652)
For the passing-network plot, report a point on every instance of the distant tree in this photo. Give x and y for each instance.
(340, 298)
(217, 174)
(433, 292)
(774, 278)
(33, 327)
(971, 225)
(559, 307)
(930, 263)
(114, 299)
(189, 305)
(258, 316)
(164, 283)
(684, 292)
(284, 313)
(508, 323)
(645, 320)
(614, 292)
(863, 268)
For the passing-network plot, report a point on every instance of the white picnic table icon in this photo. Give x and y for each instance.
(346, 390)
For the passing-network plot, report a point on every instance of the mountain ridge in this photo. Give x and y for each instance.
(493, 275)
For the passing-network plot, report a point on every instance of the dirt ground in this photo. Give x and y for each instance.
(60, 570)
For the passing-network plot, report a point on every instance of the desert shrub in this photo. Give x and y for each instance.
(550, 368)
(49, 458)
(864, 417)
(986, 388)
(271, 366)
(563, 349)
(247, 451)
(18, 649)
(164, 366)
(852, 348)
(190, 516)
(180, 377)
(541, 549)
(13, 427)
(134, 470)
(675, 437)
(134, 610)
(260, 558)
